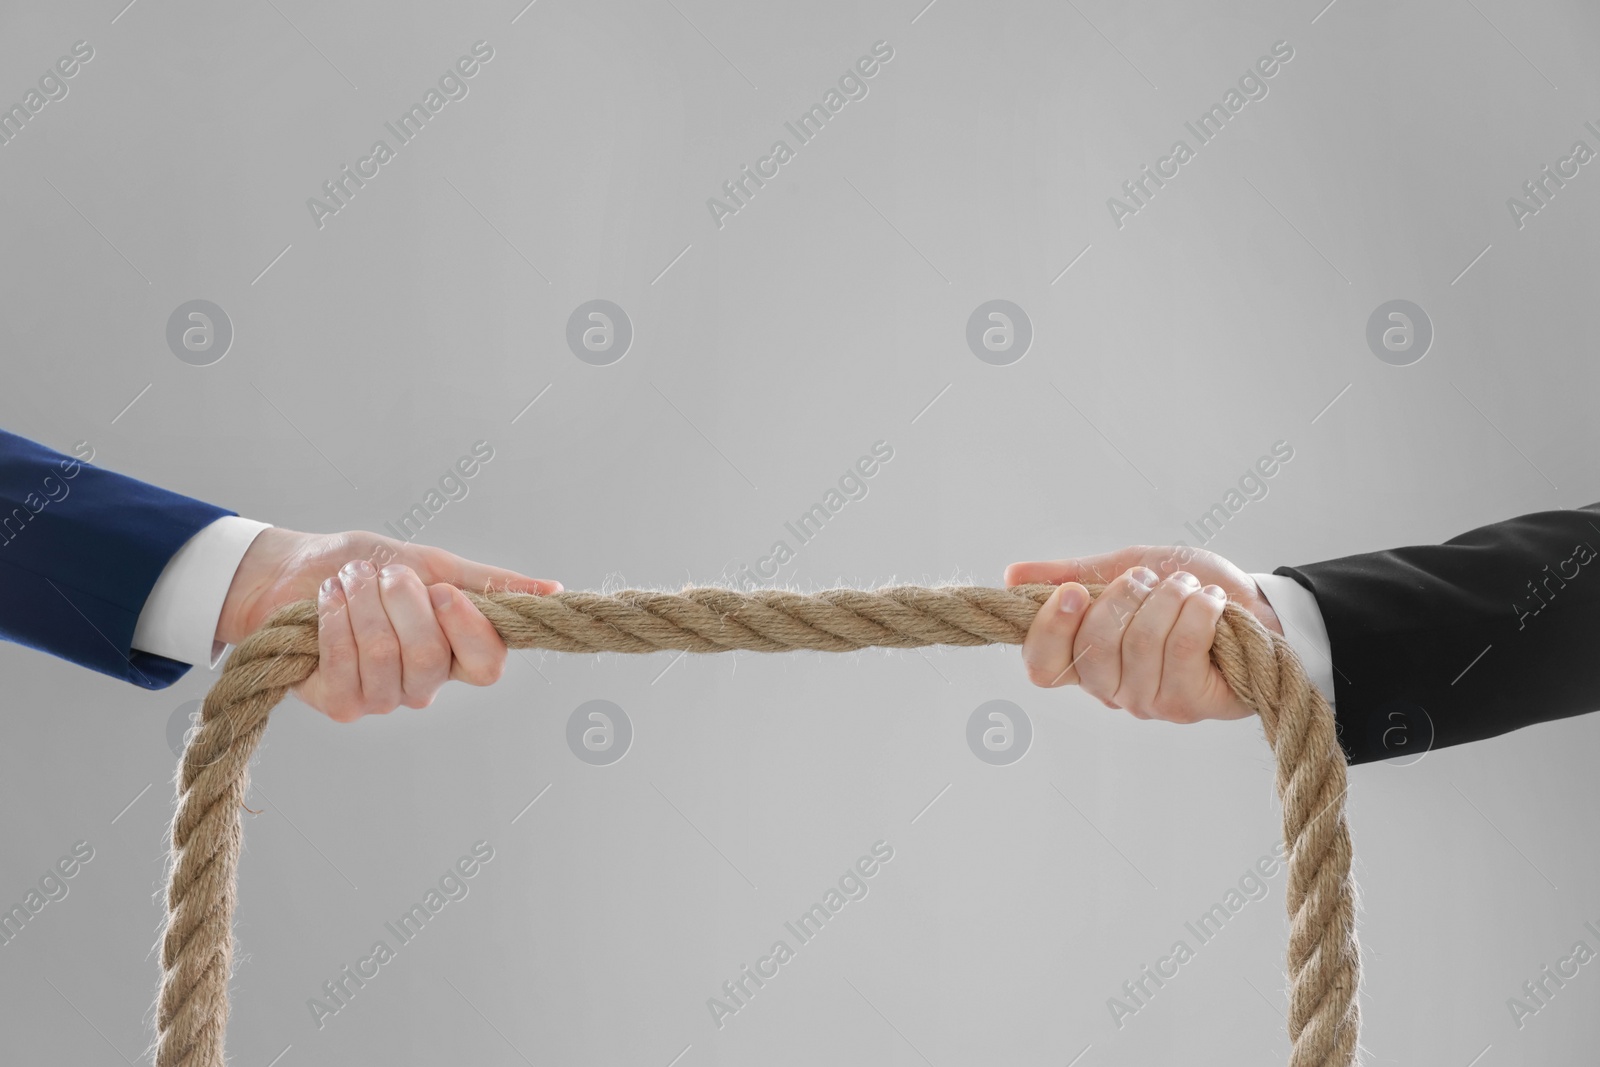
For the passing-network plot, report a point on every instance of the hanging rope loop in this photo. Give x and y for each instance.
(197, 948)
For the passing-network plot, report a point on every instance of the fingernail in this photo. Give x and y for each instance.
(441, 597)
(1215, 591)
(1188, 580)
(392, 571)
(1072, 599)
(329, 589)
(1143, 576)
(365, 569)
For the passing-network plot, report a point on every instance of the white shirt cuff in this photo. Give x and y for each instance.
(179, 618)
(1302, 626)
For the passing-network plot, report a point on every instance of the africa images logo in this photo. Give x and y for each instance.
(452, 85)
(53, 86)
(853, 885)
(599, 732)
(1252, 85)
(852, 85)
(999, 732)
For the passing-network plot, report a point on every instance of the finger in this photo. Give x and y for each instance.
(377, 645)
(1099, 569)
(1047, 650)
(424, 650)
(480, 654)
(1187, 692)
(437, 565)
(1098, 646)
(1144, 643)
(335, 688)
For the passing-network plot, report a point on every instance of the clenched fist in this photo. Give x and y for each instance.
(1145, 644)
(393, 624)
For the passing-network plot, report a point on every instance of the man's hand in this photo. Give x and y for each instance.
(393, 625)
(1145, 644)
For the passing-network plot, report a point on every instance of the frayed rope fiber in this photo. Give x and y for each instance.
(197, 949)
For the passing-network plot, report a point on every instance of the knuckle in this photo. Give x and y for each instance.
(1119, 612)
(1129, 700)
(432, 660)
(1093, 651)
(1172, 707)
(382, 650)
(1187, 645)
(339, 656)
(1040, 676)
(483, 672)
(1141, 642)
(342, 711)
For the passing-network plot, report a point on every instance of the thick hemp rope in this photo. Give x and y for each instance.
(197, 950)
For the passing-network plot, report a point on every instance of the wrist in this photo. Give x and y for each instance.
(261, 567)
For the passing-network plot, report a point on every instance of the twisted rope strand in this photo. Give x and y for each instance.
(197, 947)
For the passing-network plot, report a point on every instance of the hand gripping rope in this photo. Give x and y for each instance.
(197, 949)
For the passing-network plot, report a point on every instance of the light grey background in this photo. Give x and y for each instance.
(768, 355)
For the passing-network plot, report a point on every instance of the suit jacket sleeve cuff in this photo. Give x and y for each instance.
(179, 618)
(1302, 626)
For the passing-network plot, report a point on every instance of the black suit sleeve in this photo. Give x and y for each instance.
(1437, 645)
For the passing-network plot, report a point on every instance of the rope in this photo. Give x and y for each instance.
(197, 949)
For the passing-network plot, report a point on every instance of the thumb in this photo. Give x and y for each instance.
(442, 566)
(1097, 569)
(511, 582)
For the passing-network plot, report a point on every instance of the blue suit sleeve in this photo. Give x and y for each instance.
(80, 550)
